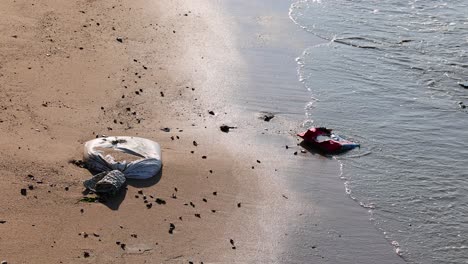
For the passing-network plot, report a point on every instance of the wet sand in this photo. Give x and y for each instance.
(72, 71)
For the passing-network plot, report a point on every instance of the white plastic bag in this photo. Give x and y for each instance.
(147, 155)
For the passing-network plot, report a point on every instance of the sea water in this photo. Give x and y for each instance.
(388, 76)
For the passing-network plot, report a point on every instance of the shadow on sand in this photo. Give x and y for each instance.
(114, 202)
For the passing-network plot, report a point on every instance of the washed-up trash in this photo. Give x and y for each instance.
(118, 158)
(324, 139)
(106, 182)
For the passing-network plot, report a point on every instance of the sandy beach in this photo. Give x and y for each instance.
(72, 71)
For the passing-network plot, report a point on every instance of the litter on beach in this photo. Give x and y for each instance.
(114, 159)
(325, 140)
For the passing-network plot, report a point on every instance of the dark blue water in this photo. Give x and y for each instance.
(389, 77)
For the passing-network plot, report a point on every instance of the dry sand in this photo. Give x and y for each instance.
(71, 70)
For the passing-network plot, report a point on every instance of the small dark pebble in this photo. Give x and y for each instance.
(23, 192)
(295, 153)
(31, 187)
(136, 196)
(173, 196)
(203, 157)
(259, 161)
(149, 205)
(287, 146)
(166, 129)
(267, 117)
(66, 188)
(195, 143)
(215, 193)
(162, 94)
(81, 210)
(123, 246)
(239, 205)
(225, 128)
(211, 171)
(231, 241)
(171, 228)
(191, 204)
(205, 200)
(211, 112)
(140, 191)
(213, 211)
(86, 254)
(198, 215)
(2, 221)
(160, 201)
(119, 39)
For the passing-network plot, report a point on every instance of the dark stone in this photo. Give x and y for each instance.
(463, 84)
(86, 254)
(267, 117)
(160, 201)
(23, 192)
(195, 143)
(215, 193)
(149, 205)
(211, 112)
(166, 129)
(30, 187)
(198, 215)
(171, 228)
(226, 128)
(119, 39)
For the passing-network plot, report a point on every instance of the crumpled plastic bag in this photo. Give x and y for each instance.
(147, 155)
(106, 182)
